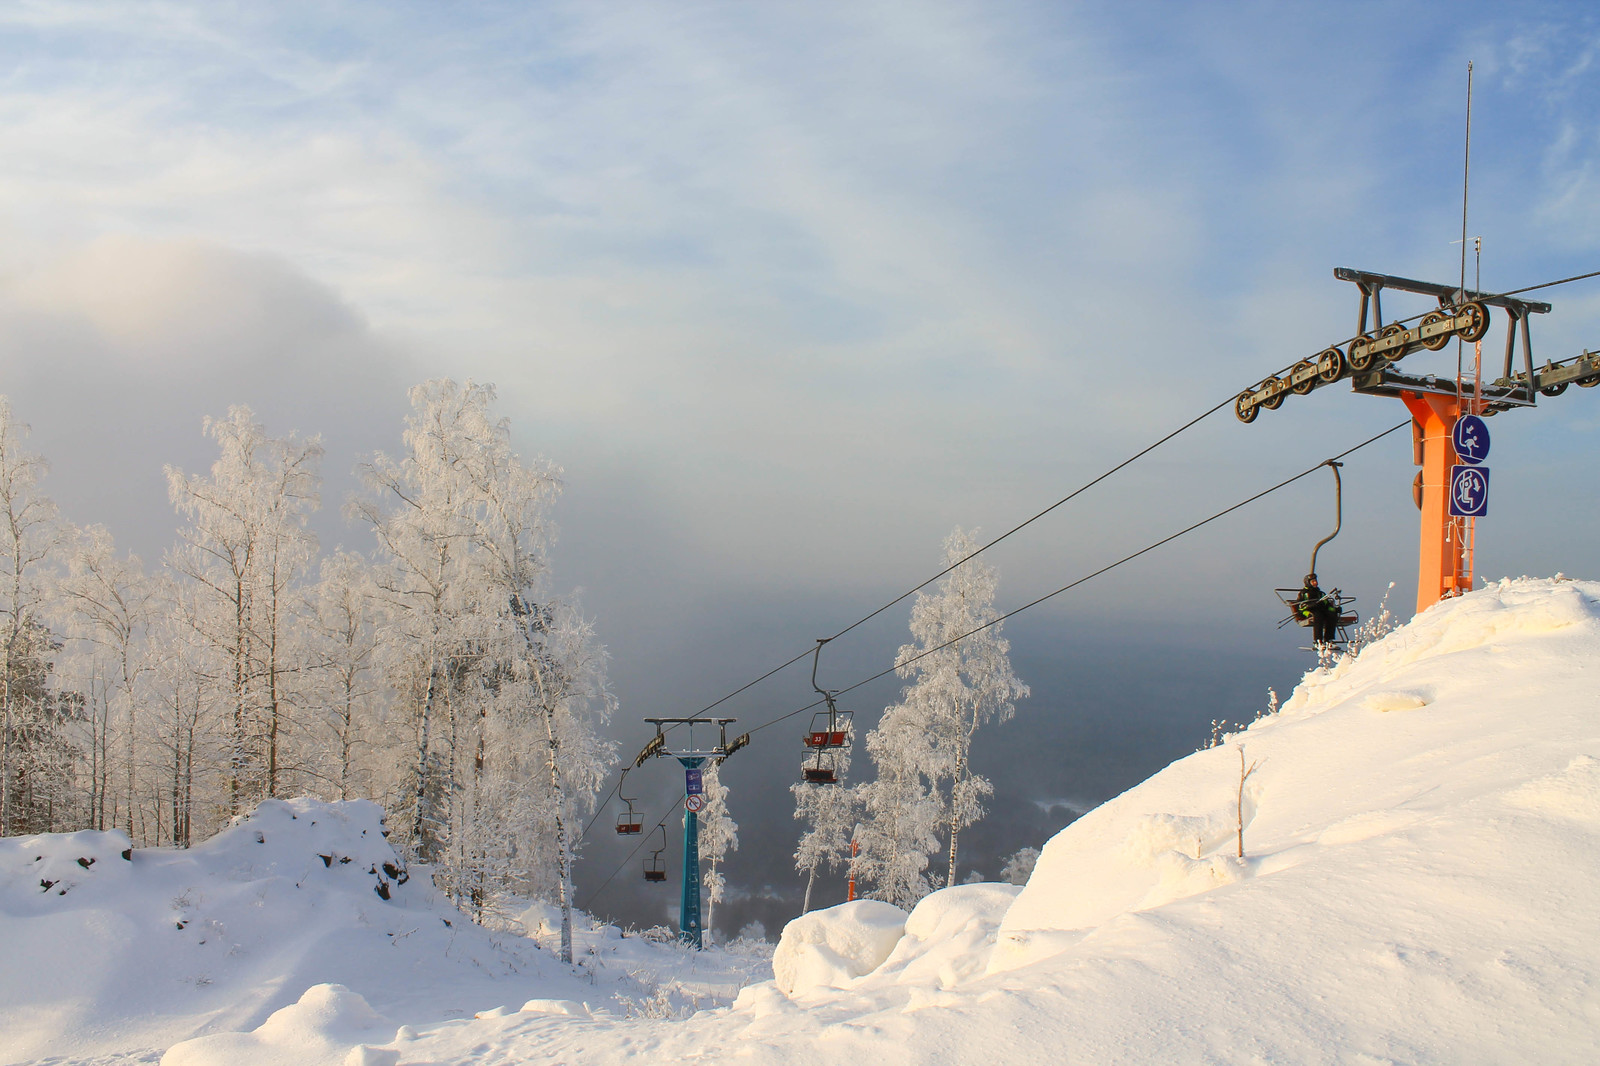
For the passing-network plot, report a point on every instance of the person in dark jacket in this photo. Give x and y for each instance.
(1320, 608)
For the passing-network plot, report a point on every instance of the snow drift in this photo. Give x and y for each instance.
(829, 948)
(110, 948)
(1421, 882)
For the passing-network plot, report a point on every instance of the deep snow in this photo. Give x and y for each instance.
(1421, 884)
(119, 958)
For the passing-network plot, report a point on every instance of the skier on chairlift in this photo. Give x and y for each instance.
(1320, 608)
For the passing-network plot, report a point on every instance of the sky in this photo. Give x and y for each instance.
(789, 291)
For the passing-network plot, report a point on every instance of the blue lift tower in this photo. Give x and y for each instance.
(693, 758)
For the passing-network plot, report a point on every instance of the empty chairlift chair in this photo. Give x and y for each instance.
(655, 867)
(629, 822)
(829, 734)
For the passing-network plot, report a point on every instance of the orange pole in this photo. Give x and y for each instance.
(1440, 563)
(855, 849)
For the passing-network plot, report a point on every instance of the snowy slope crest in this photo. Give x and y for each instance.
(1361, 752)
(1421, 883)
(110, 946)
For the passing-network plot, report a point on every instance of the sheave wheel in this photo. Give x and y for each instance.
(1438, 341)
(1394, 329)
(1360, 354)
(1477, 323)
(1277, 400)
(1330, 365)
(1304, 387)
(1243, 408)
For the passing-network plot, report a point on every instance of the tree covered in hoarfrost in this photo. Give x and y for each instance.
(900, 809)
(245, 545)
(505, 681)
(719, 834)
(108, 606)
(959, 688)
(444, 678)
(343, 665)
(31, 531)
(418, 509)
(829, 815)
(960, 677)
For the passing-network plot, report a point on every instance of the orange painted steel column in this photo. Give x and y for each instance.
(1439, 562)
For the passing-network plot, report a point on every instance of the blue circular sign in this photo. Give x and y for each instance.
(1469, 491)
(1471, 439)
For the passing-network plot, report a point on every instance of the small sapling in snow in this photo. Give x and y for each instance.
(1244, 775)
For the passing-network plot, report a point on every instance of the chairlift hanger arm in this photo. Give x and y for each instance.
(657, 746)
(1338, 511)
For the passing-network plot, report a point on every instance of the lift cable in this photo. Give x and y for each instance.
(643, 839)
(1552, 284)
(1076, 492)
(1110, 566)
(600, 808)
(1024, 524)
(1016, 611)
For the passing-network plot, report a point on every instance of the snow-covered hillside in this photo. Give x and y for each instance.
(113, 954)
(1421, 884)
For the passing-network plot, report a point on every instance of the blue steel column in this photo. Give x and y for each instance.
(689, 904)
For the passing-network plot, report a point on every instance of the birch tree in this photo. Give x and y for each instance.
(108, 604)
(900, 809)
(506, 681)
(30, 534)
(245, 543)
(343, 655)
(829, 815)
(957, 688)
(418, 507)
(719, 834)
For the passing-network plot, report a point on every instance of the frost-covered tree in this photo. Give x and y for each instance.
(961, 679)
(1019, 867)
(190, 744)
(504, 681)
(30, 533)
(343, 686)
(245, 544)
(419, 510)
(829, 815)
(108, 605)
(900, 809)
(719, 834)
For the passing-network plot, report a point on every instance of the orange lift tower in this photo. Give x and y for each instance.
(1449, 438)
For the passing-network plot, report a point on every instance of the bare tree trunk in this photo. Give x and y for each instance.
(346, 741)
(563, 846)
(805, 906)
(6, 726)
(955, 816)
(236, 756)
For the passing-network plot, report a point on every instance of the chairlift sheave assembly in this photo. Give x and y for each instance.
(829, 734)
(1302, 607)
(629, 822)
(655, 867)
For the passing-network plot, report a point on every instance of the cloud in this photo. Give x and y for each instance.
(117, 351)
